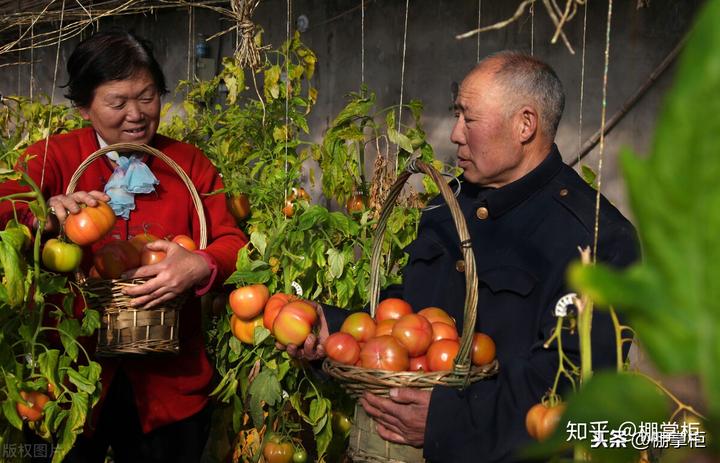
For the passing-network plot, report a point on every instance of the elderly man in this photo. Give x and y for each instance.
(527, 213)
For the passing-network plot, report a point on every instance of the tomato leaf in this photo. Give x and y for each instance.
(69, 331)
(14, 268)
(259, 241)
(48, 362)
(265, 388)
(336, 260)
(72, 426)
(90, 322)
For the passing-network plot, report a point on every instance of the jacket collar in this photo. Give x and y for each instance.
(501, 200)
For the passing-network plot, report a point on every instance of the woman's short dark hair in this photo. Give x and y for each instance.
(109, 56)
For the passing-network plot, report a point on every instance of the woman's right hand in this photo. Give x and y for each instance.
(63, 205)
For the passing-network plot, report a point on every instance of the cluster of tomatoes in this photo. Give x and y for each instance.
(35, 401)
(288, 318)
(400, 340)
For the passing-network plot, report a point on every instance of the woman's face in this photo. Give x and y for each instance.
(125, 111)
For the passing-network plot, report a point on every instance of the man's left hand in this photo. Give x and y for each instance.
(400, 418)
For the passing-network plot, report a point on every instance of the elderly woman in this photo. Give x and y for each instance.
(152, 409)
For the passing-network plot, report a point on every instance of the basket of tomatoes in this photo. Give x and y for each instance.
(393, 347)
(125, 329)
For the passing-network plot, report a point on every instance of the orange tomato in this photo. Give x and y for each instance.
(90, 224)
(139, 241)
(273, 306)
(414, 332)
(384, 353)
(114, 258)
(239, 206)
(245, 330)
(385, 327)
(441, 355)
(444, 331)
(148, 257)
(342, 348)
(483, 349)
(393, 308)
(359, 325)
(436, 314)
(542, 420)
(247, 302)
(36, 402)
(185, 242)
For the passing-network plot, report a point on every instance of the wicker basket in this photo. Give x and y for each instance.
(126, 330)
(365, 444)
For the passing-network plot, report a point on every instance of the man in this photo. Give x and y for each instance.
(527, 213)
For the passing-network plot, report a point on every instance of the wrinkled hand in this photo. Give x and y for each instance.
(402, 417)
(63, 205)
(180, 270)
(313, 347)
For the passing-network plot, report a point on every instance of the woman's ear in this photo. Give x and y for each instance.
(84, 113)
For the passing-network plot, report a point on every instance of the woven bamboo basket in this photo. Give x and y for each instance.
(365, 444)
(124, 329)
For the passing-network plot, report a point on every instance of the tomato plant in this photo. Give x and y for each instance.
(247, 302)
(359, 325)
(90, 224)
(441, 355)
(391, 308)
(115, 258)
(343, 348)
(60, 256)
(384, 353)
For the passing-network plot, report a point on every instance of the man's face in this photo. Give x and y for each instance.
(488, 149)
(125, 111)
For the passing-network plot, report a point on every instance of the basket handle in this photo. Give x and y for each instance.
(153, 152)
(461, 366)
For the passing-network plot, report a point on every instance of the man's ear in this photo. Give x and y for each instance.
(527, 123)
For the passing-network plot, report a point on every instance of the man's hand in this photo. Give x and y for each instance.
(179, 271)
(402, 417)
(313, 347)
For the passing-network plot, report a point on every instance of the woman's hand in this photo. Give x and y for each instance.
(63, 205)
(179, 271)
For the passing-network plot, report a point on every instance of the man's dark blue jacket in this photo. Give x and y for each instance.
(524, 236)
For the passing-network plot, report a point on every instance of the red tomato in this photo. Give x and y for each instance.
(90, 224)
(36, 402)
(273, 306)
(441, 355)
(302, 309)
(359, 325)
(356, 204)
(247, 302)
(483, 349)
(414, 332)
(418, 363)
(291, 327)
(542, 420)
(60, 256)
(148, 257)
(245, 330)
(185, 242)
(444, 331)
(239, 206)
(342, 348)
(384, 353)
(277, 451)
(391, 307)
(116, 257)
(436, 314)
(298, 194)
(385, 327)
(288, 209)
(139, 241)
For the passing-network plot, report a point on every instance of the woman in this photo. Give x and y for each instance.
(152, 409)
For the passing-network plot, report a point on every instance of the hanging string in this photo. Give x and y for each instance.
(189, 44)
(532, 29)
(287, 91)
(602, 131)
(478, 26)
(582, 82)
(52, 93)
(32, 57)
(362, 43)
(402, 76)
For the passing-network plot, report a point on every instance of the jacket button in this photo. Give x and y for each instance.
(482, 213)
(460, 266)
(564, 192)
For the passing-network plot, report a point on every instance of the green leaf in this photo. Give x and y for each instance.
(259, 241)
(72, 427)
(14, 268)
(81, 381)
(70, 330)
(48, 362)
(260, 334)
(90, 322)
(672, 298)
(266, 388)
(11, 414)
(336, 259)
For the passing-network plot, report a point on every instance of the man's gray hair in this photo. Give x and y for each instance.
(523, 76)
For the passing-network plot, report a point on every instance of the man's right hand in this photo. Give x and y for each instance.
(313, 347)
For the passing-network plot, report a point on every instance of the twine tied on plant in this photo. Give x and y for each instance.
(247, 53)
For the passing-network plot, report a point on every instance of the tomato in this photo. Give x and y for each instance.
(302, 309)
(356, 204)
(114, 258)
(60, 256)
(483, 349)
(341, 423)
(185, 242)
(436, 314)
(385, 327)
(300, 456)
(239, 206)
(441, 355)
(36, 402)
(247, 302)
(359, 325)
(391, 307)
(414, 332)
(90, 224)
(273, 306)
(290, 327)
(444, 331)
(384, 353)
(298, 194)
(148, 257)
(277, 451)
(418, 363)
(288, 209)
(139, 241)
(542, 420)
(343, 348)
(245, 330)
